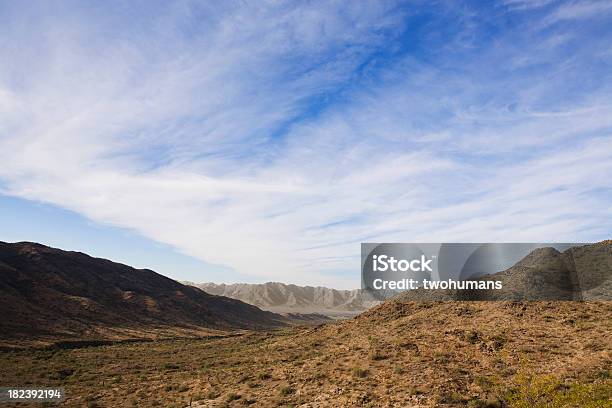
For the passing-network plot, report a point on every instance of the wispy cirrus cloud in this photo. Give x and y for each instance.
(274, 138)
(580, 10)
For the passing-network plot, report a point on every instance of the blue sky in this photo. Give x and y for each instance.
(261, 141)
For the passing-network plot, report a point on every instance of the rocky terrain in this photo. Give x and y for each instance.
(284, 298)
(579, 273)
(399, 354)
(49, 295)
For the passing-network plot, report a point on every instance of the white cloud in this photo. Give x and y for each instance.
(580, 10)
(526, 4)
(169, 132)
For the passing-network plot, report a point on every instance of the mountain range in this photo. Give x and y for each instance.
(286, 298)
(48, 295)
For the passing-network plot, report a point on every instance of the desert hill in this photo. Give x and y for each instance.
(579, 273)
(398, 354)
(47, 293)
(285, 298)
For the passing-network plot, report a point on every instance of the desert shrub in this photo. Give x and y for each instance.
(441, 357)
(264, 376)
(198, 397)
(594, 345)
(233, 397)
(456, 398)
(485, 403)
(377, 356)
(360, 372)
(484, 382)
(547, 391)
(472, 336)
(415, 391)
(286, 390)
(64, 373)
(170, 366)
(212, 394)
(499, 340)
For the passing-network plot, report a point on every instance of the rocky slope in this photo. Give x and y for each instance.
(47, 293)
(579, 273)
(284, 298)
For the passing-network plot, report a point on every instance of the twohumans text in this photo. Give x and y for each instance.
(408, 284)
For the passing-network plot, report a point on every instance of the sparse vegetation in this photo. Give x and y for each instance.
(232, 397)
(286, 390)
(360, 372)
(473, 336)
(212, 395)
(258, 368)
(485, 403)
(170, 366)
(547, 391)
(376, 355)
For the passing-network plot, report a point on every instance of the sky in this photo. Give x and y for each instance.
(264, 141)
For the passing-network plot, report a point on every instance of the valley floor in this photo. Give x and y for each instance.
(400, 354)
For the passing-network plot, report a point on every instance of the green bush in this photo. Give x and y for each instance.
(547, 391)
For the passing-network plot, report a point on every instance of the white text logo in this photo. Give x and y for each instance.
(382, 263)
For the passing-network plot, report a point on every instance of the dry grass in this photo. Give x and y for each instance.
(412, 354)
